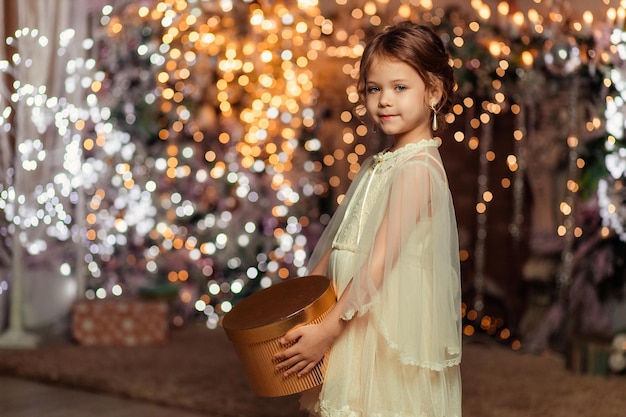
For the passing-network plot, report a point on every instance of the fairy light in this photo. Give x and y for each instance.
(50, 208)
(270, 66)
(612, 188)
(258, 65)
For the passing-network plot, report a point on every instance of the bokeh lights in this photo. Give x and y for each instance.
(188, 161)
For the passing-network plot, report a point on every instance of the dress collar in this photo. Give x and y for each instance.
(410, 147)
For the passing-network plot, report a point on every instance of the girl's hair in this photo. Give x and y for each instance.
(421, 48)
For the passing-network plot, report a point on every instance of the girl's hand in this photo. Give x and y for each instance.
(310, 343)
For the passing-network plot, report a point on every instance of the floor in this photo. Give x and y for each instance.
(22, 398)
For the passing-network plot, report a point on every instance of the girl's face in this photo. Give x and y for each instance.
(398, 101)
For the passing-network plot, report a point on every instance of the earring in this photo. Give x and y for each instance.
(432, 106)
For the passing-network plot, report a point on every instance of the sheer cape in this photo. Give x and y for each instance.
(398, 220)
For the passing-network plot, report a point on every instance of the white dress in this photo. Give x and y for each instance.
(395, 238)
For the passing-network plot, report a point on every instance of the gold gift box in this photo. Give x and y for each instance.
(256, 324)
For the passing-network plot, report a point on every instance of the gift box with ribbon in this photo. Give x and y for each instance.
(125, 322)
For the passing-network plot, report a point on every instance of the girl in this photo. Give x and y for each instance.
(391, 251)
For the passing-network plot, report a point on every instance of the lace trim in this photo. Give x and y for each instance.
(326, 410)
(411, 146)
(407, 359)
(344, 246)
(432, 366)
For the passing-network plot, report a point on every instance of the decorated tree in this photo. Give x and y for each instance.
(231, 113)
(209, 142)
(225, 113)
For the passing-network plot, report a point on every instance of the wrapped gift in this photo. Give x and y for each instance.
(124, 322)
(589, 354)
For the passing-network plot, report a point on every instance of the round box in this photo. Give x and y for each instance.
(255, 325)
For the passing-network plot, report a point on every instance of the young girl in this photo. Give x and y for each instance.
(391, 251)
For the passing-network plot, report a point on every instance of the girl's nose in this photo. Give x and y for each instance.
(384, 99)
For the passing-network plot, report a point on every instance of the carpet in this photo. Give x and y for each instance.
(198, 370)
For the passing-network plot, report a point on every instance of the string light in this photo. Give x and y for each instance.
(232, 92)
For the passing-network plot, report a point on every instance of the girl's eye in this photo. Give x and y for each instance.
(372, 90)
(400, 87)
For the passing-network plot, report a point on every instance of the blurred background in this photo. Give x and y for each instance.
(183, 154)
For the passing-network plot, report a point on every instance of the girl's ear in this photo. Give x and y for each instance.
(434, 91)
(435, 97)
(435, 94)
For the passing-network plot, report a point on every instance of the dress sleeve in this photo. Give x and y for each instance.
(318, 261)
(406, 273)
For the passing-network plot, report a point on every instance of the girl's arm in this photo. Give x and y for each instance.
(310, 342)
(322, 266)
